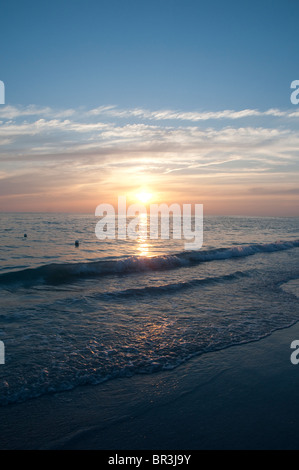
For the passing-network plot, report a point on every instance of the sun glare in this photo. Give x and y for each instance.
(144, 197)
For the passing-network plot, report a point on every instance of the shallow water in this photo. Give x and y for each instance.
(72, 316)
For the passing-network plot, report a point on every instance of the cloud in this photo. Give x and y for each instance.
(15, 112)
(46, 152)
(171, 115)
(112, 111)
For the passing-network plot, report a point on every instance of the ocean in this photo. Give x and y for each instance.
(72, 316)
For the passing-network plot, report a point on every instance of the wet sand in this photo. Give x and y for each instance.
(244, 397)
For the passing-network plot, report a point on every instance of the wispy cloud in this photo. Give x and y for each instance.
(171, 115)
(14, 112)
(85, 153)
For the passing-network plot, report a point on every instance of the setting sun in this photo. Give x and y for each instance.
(144, 197)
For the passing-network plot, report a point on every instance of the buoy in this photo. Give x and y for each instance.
(76, 243)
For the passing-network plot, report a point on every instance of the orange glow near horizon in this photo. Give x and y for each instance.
(218, 197)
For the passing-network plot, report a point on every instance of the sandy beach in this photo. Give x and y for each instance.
(244, 397)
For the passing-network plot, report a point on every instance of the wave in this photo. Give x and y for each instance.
(176, 286)
(55, 273)
(98, 375)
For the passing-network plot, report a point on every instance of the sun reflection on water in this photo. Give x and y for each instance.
(143, 247)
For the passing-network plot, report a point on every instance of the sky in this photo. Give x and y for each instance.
(186, 99)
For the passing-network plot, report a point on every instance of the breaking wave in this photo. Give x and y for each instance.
(56, 273)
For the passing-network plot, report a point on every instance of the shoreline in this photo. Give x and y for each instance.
(242, 397)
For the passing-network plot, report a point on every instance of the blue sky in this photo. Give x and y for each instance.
(188, 99)
(183, 54)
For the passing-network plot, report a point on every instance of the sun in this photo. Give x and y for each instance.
(144, 197)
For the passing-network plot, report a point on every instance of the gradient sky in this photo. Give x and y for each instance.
(187, 99)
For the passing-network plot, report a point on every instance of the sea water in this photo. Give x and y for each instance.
(72, 316)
